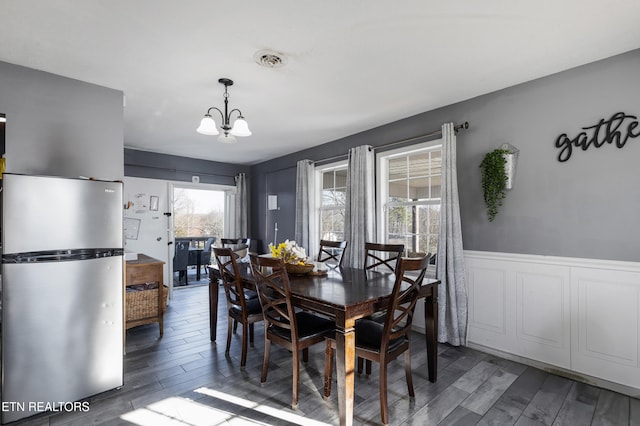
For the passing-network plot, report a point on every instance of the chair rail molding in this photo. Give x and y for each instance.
(573, 316)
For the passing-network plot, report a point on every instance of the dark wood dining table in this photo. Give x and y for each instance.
(345, 294)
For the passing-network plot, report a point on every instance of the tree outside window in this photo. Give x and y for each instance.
(198, 213)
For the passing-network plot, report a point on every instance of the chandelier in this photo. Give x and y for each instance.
(239, 128)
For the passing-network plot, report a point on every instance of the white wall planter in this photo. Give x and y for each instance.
(511, 163)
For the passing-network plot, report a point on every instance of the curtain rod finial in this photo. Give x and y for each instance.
(464, 126)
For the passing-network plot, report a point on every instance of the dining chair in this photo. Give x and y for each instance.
(240, 309)
(382, 255)
(385, 256)
(205, 256)
(238, 245)
(382, 343)
(293, 330)
(331, 252)
(181, 260)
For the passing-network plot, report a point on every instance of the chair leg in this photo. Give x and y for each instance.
(305, 355)
(245, 332)
(296, 379)
(360, 364)
(328, 368)
(407, 371)
(368, 368)
(265, 364)
(229, 326)
(235, 326)
(251, 334)
(384, 407)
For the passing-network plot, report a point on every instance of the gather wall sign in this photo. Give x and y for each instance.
(616, 130)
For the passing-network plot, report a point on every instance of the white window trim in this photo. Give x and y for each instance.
(319, 170)
(381, 187)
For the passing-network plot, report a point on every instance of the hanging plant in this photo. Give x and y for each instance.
(494, 180)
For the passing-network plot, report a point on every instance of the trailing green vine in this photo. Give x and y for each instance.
(494, 180)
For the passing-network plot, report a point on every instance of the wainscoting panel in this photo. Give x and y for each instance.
(543, 313)
(489, 288)
(579, 315)
(489, 300)
(605, 326)
(519, 307)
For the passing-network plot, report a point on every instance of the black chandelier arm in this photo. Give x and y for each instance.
(235, 109)
(221, 114)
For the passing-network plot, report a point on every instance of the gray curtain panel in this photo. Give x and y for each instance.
(239, 209)
(450, 270)
(229, 215)
(360, 204)
(305, 234)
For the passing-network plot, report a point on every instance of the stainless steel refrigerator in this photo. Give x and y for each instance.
(62, 292)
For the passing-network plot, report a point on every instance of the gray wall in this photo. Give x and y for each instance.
(585, 207)
(60, 126)
(164, 168)
(171, 167)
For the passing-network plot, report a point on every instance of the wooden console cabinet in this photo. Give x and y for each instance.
(145, 294)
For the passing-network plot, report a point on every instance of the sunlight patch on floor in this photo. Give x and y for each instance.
(180, 411)
(264, 409)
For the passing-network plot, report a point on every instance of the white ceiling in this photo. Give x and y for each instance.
(351, 65)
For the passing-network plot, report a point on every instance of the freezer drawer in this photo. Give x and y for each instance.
(62, 331)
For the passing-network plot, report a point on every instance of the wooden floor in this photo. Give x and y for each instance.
(184, 379)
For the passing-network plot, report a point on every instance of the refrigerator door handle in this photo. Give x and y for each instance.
(61, 255)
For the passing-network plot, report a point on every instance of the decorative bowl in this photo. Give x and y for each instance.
(298, 269)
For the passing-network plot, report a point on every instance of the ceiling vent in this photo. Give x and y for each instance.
(270, 59)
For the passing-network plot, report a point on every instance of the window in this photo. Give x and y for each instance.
(198, 212)
(332, 193)
(409, 181)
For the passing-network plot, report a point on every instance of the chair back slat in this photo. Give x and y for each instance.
(409, 276)
(382, 255)
(236, 244)
(331, 252)
(230, 275)
(274, 291)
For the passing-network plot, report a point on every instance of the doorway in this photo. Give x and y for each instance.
(197, 223)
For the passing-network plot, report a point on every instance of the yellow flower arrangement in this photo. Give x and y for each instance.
(290, 252)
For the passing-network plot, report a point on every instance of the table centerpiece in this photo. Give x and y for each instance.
(294, 256)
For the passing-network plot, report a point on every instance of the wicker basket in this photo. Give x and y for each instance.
(297, 269)
(143, 304)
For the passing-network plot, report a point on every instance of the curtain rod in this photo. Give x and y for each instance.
(463, 126)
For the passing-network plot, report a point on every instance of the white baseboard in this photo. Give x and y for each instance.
(595, 381)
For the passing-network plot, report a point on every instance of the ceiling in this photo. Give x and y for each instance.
(350, 65)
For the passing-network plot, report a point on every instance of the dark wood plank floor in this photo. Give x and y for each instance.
(184, 379)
